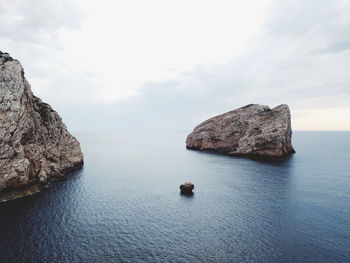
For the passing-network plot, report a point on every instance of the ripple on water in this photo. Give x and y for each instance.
(125, 205)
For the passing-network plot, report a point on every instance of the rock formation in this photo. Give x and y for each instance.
(253, 131)
(187, 188)
(35, 146)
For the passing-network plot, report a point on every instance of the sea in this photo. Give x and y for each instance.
(125, 205)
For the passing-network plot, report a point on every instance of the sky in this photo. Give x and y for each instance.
(169, 65)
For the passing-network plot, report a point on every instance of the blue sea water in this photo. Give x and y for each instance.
(125, 206)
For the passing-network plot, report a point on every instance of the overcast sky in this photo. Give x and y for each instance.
(168, 65)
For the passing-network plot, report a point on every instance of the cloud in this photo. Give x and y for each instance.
(169, 73)
(31, 32)
(111, 48)
(297, 59)
(323, 25)
(36, 21)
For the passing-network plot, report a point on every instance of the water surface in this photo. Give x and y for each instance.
(125, 206)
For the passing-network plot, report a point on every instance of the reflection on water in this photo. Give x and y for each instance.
(187, 195)
(125, 205)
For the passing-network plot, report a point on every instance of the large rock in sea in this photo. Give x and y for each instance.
(35, 146)
(253, 131)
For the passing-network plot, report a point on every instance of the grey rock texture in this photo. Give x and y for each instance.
(35, 146)
(253, 131)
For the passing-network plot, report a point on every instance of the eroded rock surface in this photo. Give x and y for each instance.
(254, 131)
(35, 146)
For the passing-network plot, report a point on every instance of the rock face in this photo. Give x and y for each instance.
(35, 146)
(253, 131)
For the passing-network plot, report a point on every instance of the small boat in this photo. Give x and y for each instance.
(187, 188)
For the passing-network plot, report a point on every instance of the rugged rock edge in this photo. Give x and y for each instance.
(35, 146)
(253, 131)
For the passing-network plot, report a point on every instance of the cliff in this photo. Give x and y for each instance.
(35, 146)
(253, 131)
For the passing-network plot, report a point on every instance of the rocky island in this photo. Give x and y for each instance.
(253, 131)
(35, 146)
(187, 188)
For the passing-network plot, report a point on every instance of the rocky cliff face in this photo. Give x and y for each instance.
(35, 146)
(254, 131)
